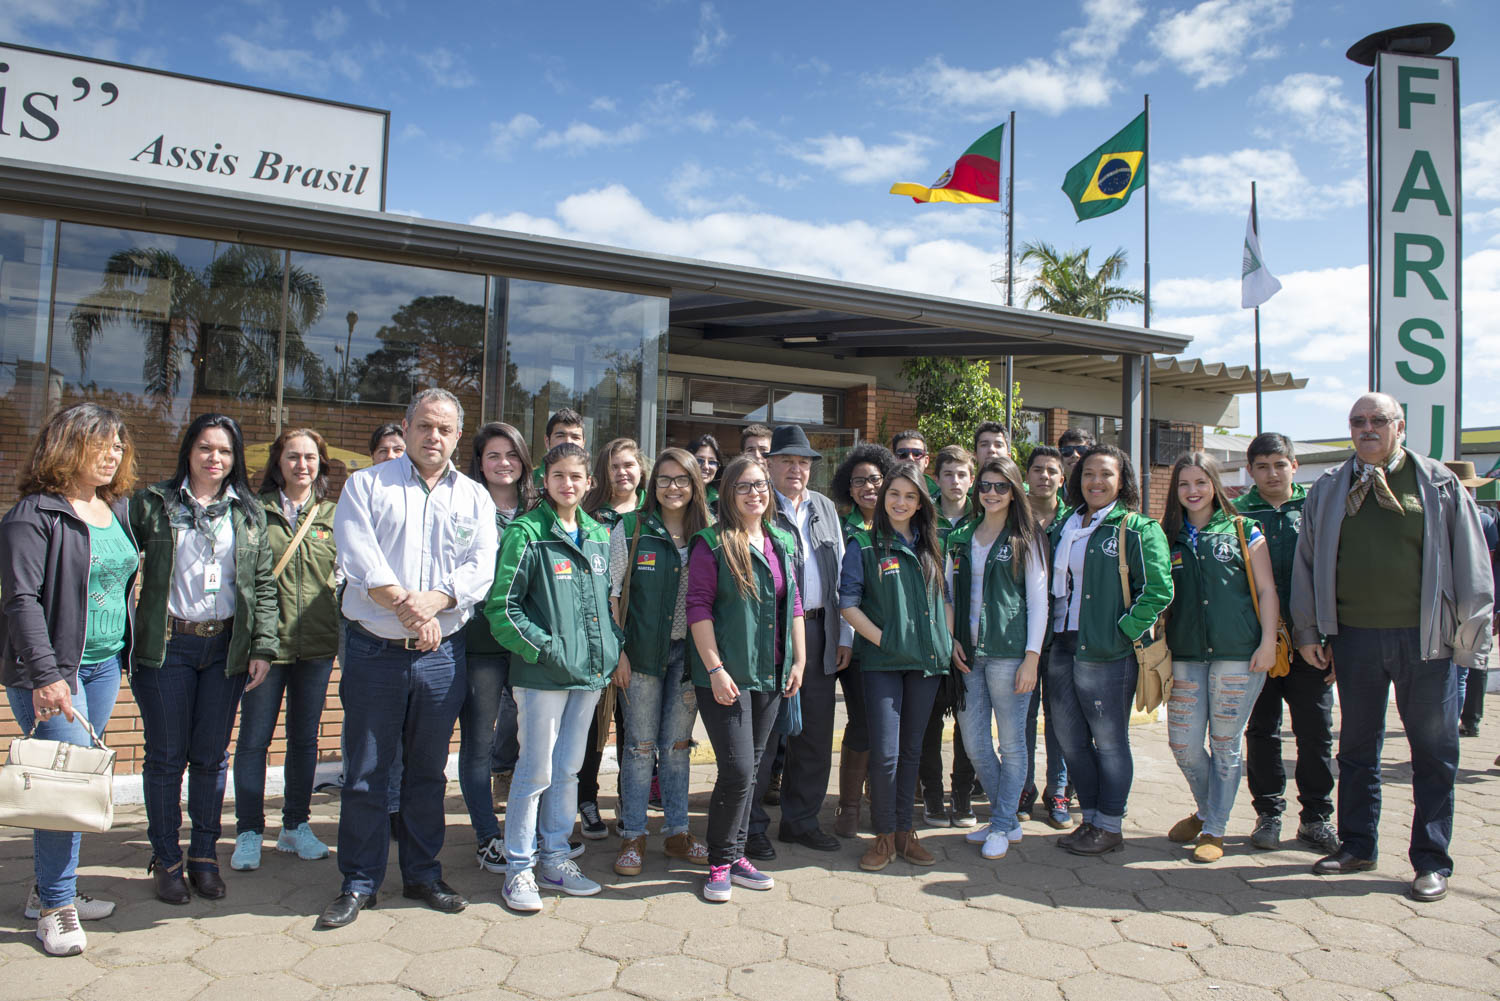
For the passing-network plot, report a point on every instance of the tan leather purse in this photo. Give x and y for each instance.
(51, 785)
(1154, 685)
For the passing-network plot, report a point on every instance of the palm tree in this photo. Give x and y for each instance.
(1064, 284)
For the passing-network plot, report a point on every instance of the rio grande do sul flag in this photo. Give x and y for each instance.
(1257, 284)
(975, 177)
(1102, 182)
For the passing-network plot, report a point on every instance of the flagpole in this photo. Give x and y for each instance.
(1146, 315)
(1255, 226)
(1010, 276)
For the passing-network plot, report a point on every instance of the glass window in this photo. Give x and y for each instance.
(790, 406)
(28, 393)
(602, 353)
(730, 401)
(1033, 426)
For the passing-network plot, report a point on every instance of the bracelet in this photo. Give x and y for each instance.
(716, 670)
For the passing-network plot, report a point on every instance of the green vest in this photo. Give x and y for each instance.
(853, 522)
(658, 576)
(609, 517)
(1281, 526)
(550, 603)
(745, 629)
(1211, 617)
(912, 620)
(1002, 615)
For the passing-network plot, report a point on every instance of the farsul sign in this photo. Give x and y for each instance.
(73, 112)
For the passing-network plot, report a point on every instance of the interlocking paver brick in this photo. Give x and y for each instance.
(1452, 968)
(1358, 969)
(729, 946)
(1043, 960)
(878, 920)
(937, 954)
(993, 984)
(976, 925)
(1323, 990)
(1415, 991)
(145, 946)
(1070, 928)
(158, 982)
(783, 980)
(1165, 930)
(426, 931)
(833, 891)
(1144, 962)
(532, 936)
(280, 986)
(1249, 966)
(632, 940)
(356, 963)
(686, 911)
(673, 978)
(835, 950)
(1450, 936)
(1097, 986)
(552, 976)
(371, 926)
(451, 971)
(606, 908)
(886, 983)
(1205, 989)
(786, 918)
(1262, 932)
(247, 954)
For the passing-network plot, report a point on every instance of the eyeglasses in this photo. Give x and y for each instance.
(1068, 450)
(867, 481)
(911, 453)
(680, 482)
(988, 486)
(1379, 423)
(747, 487)
(707, 463)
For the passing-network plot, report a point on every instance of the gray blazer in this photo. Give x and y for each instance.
(1457, 589)
(826, 534)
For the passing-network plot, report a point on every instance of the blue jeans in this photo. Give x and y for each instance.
(554, 727)
(187, 712)
(659, 715)
(305, 687)
(54, 854)
(897, 707)
(507, 738)
(990, 690)
(1090, 703)
(1211, 701)
(398, 703)
(487, 678)
(1057, 765)
(1367, 662)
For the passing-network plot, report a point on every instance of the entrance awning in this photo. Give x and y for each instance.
(721, 302)
(1173, 373)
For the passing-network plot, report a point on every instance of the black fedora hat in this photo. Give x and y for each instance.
(790, 439)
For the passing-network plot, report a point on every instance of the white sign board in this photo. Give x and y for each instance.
(73, 112)
(1415, 329)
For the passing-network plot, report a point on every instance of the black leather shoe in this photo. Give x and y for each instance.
(209, 885)
(759, 847)
(437, 895)
(1097, 842)
(1429, 886)
(1341, 864)
(344, 909)
(817, 840)
(171, 888)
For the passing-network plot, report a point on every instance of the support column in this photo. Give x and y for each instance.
(1132, 407)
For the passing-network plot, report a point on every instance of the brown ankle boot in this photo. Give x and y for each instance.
(852, 768)
(879, 854)
(911, 849)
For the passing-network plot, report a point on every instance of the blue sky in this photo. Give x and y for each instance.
(768, 134)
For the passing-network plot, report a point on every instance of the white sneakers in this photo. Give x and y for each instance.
(996, 843)
(87, 907)
(60, 932)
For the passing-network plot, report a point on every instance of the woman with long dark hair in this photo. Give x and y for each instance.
(891, 592)
(299, 525)
(710, 458)
(488, 745)
(748, 651)
(208, 620)
(1092, 671)
(67, 571)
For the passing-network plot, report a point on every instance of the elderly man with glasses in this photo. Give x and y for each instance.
(1391, 585)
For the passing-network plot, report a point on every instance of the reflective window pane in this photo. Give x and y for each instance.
(730, 400)
(803, 407)
(27, 394)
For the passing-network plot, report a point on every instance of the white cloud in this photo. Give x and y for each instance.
(1048, 86)
(1208, 42)
(851, 159)
(505, 135)
(688, 188)
(712, 38)
(1220, 182)
(412, 131)
(580, 137)
(287, 64)
(1312, 106)
(330, 24)
(603, 104)
(1481, 150)
(447, 68)
(1106, 25)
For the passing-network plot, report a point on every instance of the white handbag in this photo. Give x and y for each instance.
(51, 785)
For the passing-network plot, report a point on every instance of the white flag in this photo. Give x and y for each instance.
(1257, 284)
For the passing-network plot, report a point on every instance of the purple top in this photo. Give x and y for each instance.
(703, 585)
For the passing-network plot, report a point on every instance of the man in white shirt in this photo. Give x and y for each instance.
(416, 542)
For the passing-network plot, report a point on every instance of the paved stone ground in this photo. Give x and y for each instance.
(1042, 924)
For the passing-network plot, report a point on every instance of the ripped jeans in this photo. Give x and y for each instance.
(659, 713)
(1206, 716)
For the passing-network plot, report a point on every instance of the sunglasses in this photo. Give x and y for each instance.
(1373, 423)
(911, 453)
(1000, 487)
(747, 487)
(707, 463)
(1072, 449)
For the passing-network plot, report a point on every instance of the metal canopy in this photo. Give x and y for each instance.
(719, 302)
(1174, 373)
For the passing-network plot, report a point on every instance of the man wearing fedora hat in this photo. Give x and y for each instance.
(1472, 680)
(813, 520)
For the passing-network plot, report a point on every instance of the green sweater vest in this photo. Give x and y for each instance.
(1379, 576)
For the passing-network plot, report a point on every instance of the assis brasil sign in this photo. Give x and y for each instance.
(68, 111)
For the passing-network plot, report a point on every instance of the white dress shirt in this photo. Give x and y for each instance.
(391, 530)
(186, 597)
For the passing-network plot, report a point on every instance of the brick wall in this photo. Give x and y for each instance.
(879, 412)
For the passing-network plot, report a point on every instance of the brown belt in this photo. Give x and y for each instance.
(182, 627)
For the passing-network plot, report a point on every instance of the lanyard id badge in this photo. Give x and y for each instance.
(213, 574)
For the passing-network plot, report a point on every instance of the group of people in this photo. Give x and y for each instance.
(519, 601)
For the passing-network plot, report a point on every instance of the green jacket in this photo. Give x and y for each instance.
(308, 626)
(946, 528)
(1281, 527)
(658, 576)
(478, 637)
(854, 521)
(745, 629)
(1211, 617)
(1002, 617)
(1106, 627)
(609, 517)
(550, 603)
(255, 610)
(912, 619)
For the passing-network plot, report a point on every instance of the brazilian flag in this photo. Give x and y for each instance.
(1102, 181)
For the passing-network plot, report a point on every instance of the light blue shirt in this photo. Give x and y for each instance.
(187, 598)
(390, 529)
